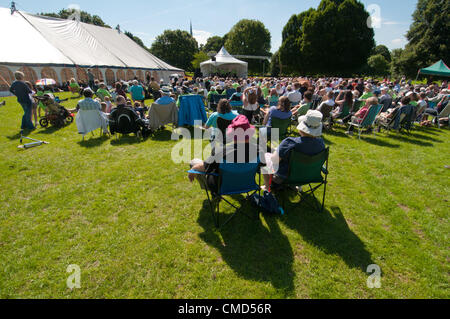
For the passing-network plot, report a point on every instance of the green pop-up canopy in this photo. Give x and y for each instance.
(439, 68)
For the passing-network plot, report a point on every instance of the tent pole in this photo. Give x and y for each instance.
(4, 80)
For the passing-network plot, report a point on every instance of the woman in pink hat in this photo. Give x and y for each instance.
(240, 148)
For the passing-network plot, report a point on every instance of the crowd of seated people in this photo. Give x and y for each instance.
(336, 98)
(311, 101)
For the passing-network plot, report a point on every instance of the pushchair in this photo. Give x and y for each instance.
(124, 120)
(56, 115)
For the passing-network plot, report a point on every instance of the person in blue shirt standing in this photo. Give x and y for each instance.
(22, 92)
(165, 98)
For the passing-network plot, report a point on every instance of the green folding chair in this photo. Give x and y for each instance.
(369, 119)
(282, 125)
(305, 170)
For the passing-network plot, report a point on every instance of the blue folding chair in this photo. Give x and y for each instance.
(230, 93)
(273, 104)
(237, 106)
(233, 179)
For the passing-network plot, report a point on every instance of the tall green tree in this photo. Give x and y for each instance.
(378, 65)
(214, 43)
(199, 57)
(275, 68)
(84, 17)
(428, 36)
(249, 37)
(135, 39)
(176, 47)
(332, 39)
(384, 51)
(291, 47)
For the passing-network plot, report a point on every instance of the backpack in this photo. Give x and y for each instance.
(266, 203)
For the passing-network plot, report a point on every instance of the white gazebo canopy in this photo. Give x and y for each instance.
(225, 63)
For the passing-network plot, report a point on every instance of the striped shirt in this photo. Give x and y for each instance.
(89, 104)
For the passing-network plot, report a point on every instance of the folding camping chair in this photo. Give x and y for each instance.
(125, 121)
(283, 126)
(222, 126)
(305, 170)
(274, 103)
(161, 115)
(343, 115)
(237, 106)
(445, 113)
(316, 102)
(389, 124)
(357, 105)
(326, 112)
(368, 120)
(230, 93)
(233, 179)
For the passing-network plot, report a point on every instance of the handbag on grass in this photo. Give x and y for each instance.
(266, 203)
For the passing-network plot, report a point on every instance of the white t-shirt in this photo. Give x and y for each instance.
(251, 107)
(422, 104)
(295, 97)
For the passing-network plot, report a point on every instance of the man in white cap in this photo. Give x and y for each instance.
(309, 143)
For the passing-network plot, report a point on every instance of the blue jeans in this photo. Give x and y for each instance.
(26, 119)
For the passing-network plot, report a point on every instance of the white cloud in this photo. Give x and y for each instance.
(391, 23)
(399, 42)
(201, 36)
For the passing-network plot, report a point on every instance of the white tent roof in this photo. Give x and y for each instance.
(223, 57)
(224, 61)
(37, 40)
(32, 48)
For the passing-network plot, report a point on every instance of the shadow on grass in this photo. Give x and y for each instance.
(329, 231)
(162, 136)
(17, 136)
(50, 130)
(428, 130)
(193, 133)
(120, 140)
(424, 137)
(327, 141)
(21, 133)
(334, 132)
(378, 142)
(93, 142)
(406, 139)
(253, 251)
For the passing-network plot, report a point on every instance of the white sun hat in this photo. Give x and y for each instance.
(311, 123)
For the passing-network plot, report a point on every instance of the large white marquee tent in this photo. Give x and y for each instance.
(44, 47)
(225, 62)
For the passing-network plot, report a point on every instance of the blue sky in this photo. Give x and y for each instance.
(148, 19)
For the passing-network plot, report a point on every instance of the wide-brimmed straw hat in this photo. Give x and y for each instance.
(311, 123)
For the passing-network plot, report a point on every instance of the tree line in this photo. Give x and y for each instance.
(333, 39)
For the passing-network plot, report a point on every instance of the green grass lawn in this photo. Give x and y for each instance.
(128, 216)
